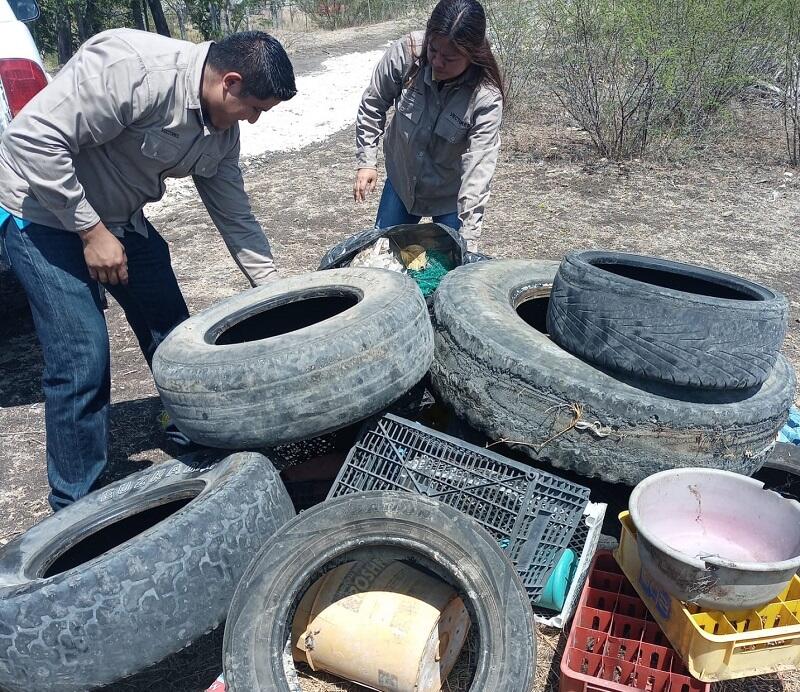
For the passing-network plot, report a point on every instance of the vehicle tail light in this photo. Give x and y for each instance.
(22, 80)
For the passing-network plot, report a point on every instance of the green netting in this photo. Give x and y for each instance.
(428, 279)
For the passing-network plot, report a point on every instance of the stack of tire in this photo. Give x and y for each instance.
(118, 583)
(615, 365)
(115, 585)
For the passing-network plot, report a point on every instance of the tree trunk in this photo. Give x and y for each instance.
(180, 13)
(82, 22)
(213, 16)
(136, 13)
(64, 35)
(159, 19)
(226, 18)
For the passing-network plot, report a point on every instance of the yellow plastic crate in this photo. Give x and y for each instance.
(716, 645)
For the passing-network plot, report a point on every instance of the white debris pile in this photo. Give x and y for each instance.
(326, 102)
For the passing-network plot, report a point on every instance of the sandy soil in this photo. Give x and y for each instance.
(736, 207)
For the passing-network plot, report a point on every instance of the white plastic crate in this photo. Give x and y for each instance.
(585, 540)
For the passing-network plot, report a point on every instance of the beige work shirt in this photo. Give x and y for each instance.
(441, 147)
(121, 116)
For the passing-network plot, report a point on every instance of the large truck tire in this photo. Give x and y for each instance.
(661, 320)
(294, 359)
(392, 525)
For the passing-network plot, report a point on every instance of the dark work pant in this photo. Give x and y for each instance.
(71, 327)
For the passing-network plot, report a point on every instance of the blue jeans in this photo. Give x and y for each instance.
(69, 321)
(392, 211)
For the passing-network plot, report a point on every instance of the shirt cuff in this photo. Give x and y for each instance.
(367, 158)
(78, 218)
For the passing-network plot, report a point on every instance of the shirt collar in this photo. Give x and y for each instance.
(469, 75)
(194, 73)
(194, 80)
(427, 74)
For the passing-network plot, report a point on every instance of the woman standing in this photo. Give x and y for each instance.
(442, 144)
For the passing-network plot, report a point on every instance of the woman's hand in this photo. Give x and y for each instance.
(366, 178)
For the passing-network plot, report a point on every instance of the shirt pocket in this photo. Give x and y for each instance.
(451, 131)
(410, 105)
(160, 148)
(206, 166)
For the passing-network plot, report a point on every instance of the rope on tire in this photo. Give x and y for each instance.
(596, 428)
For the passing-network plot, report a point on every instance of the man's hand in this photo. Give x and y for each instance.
(104, 255)
(366, 178)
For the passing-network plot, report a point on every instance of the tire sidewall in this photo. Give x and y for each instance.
(382, 297)
(302, 383)
(665, 334)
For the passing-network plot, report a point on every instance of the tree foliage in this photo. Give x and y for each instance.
(64, 24)
(789, 76)
(517, 39)
(637, 75)
(333, 14)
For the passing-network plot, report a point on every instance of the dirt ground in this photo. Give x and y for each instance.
(736, 207)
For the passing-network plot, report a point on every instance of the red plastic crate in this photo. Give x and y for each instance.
(614, 645)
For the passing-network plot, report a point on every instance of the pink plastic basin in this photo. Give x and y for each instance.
(716, 538)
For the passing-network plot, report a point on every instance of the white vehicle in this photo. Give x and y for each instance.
(22, 74)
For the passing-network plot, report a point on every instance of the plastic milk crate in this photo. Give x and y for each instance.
(532, 514)
(614, 645)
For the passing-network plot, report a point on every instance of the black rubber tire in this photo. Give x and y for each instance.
(667, 321)
(146, 598)
(399, 525)
(302, 383)
(785, 458)
(511, 382)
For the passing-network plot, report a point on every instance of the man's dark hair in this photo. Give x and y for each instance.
(260, 59)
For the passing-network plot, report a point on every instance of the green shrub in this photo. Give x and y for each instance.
(335, 14)
(640, 73)
(790, 83)
(516, 36)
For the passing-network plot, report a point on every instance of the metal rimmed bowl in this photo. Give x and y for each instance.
(716, 539)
